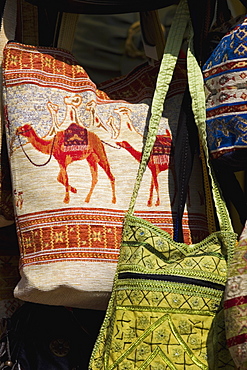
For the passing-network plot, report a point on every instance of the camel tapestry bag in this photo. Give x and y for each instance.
(74, 153)
(165, 310)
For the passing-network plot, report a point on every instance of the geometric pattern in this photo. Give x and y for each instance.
(156, 322)
(225, 88)
(68, 143)
(75, 235)
(235, 305)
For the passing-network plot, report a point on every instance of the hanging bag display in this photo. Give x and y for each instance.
(73, 175)
(165, 310)
(225, 86)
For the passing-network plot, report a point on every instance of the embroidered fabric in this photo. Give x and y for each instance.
(224, 78)
(69, 217)
(235, 301)
(165, 309)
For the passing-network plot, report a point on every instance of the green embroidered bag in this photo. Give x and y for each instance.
(165, 310)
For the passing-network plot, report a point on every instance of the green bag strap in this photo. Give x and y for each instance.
(196, 86)
(168, 64)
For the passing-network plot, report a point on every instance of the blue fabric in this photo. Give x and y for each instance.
(225, 76)
(236, 38)
(227, 132)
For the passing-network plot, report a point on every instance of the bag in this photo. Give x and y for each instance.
(69, 212)
(224, 76)
(235, 304)
(165, 310)
(47, 337)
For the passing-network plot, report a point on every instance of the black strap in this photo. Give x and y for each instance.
(185, 146)
(225, 167)
(202, 14)
(49, 21)
(103, 6)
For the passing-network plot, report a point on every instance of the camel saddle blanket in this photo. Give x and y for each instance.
(75, 138)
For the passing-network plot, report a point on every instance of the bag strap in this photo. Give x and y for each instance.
(67, 31)
(168, 63)
(196, 87)
(153, 37)
(185, 145)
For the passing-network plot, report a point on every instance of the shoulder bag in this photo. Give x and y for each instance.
(165, 310)
(225, 87)
(73, 175)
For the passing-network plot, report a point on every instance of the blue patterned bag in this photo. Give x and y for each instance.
(225, 74)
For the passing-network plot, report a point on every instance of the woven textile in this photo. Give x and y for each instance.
(225, 76)
(235, 304)
(165, 310)
(7, 32)
(69, 211)
(225, 83)
(225, 87)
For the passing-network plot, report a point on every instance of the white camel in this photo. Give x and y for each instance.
(96, 121)
(71, 115)
(127, 131)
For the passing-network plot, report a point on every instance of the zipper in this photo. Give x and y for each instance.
(171, 278)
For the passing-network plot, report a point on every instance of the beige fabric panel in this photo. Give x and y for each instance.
(7, 33)
(67, 31)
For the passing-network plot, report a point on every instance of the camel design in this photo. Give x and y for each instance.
(96, 121)
(127, 131)
(66, 147)
(103, 130)
(72, 103)
(160, 160)
(53, 109)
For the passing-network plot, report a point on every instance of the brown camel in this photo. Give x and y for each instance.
(160, 160)
(73, 144)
